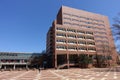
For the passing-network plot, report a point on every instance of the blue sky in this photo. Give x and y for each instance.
(24, 23)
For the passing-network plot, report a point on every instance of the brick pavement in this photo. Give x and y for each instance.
(64, 74)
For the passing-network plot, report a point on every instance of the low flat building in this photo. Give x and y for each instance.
(16, 60)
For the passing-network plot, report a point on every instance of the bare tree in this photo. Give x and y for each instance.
(104, 49)
(103, 59)
(116, 30)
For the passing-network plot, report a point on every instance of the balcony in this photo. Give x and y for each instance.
(82, 50)
(72, 42)
(81, 43)
(90, 38)
(71, 36)
(61, 29)
(91, 51)
(61, 35)
(61, 42)
(80, 32)
(81, 37)
(72, 49)
(90, 45)
(89, 33)
(71, 31)
(60, 49)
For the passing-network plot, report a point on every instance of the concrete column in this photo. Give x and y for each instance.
(68, 63)
(26, 66)
(0, 66)
(4, 67)
(55, 61)
(14, 67)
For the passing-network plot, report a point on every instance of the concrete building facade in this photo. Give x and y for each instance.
(15, 60)
(77, 32)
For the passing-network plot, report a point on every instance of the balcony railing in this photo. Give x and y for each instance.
(90, 39)
(81, 50)
(61, 36)
(72, 37)
(60, 49)
(72, 49)
(81, 44)
(90, 34)
(61, 42)
(61, 30)
(90, 45)
(72, 43)
(71, 31)
(14, 63)
(91, 51)
(80, 33)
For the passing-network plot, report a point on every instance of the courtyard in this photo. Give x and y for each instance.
(64, 74)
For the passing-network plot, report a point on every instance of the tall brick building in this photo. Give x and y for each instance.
(76, 32)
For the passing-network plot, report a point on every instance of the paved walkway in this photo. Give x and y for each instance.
(64, 74)
(82, 74)
(20, 75)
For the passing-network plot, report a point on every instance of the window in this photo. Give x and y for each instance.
(71, 30)
(89, 37)
(72, 42)
(103, 37)
(91, 33)
(81, 32)
(67, 14)
(61, 47)
(81, 42)
(67, 23)
(61, 29)
(91, 43)
(82, 48)
(61, 41)
(97, 32)
(86, 18)
(81, 37)
(91, 49)
(88, 26)
(71, 36)
(72, 48)
(75, 20)
(67, 18)
(61, 35)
